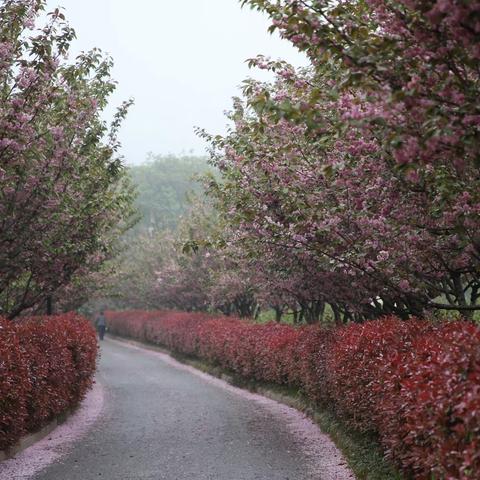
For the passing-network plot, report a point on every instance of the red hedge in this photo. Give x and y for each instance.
(436, 404)
(46, 366)
(15, 385)
(415, 384)
(361, 365)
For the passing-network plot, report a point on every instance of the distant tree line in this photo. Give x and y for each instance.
(164, 183)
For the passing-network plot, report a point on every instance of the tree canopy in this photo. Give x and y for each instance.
(164, 184)
(64, 192)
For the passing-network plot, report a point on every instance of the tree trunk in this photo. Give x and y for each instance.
(278, 313)
(336, 315)
(49, 305)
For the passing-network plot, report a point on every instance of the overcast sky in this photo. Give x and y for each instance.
(181, 60)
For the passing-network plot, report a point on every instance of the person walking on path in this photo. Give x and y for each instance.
(101, 325)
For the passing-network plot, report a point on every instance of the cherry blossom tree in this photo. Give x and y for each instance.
(363, 169)
(64, 196)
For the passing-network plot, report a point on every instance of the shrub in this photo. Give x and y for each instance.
(359, 366)
(15, 384)
(46, 366)
(431, 425)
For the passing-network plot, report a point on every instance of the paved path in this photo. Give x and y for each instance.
(165, 423)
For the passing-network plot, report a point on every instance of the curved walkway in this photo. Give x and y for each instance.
(167, 421)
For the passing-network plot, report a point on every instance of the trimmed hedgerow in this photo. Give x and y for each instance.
(414, 384)
(431, 423)
(360, 366)
(46, 366)
(15, 385)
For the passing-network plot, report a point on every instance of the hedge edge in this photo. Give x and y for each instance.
(33, 438)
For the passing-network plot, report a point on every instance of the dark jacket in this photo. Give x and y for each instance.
(100, 322)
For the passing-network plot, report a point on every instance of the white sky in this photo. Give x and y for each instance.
(182, 61)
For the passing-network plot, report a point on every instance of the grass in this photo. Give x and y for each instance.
(328, 318)
(361, 451)
(266, 316)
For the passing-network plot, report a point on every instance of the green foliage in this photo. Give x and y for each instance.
(164, 185)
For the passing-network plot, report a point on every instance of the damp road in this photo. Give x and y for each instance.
(162, 421)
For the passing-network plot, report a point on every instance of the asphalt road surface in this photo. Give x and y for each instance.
(165, 423)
